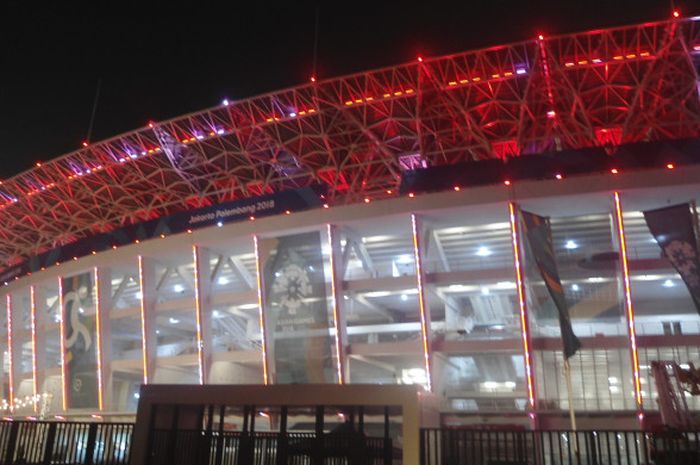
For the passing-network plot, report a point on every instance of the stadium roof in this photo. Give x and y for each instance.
(358, 133)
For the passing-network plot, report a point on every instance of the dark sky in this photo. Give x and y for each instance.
(157, 62)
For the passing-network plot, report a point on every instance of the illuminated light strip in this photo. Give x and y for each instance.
(98, 340)
(32, 316)
(336, 322)
(11, 380)
(62, 337)
(198, 313)
(628, 301)
(421, 303)
(524, 325)
(144, 345)
(547, 75)
(261, 314)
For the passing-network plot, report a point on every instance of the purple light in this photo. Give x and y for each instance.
(225, 102)
(292, 115)
(521, 71)
(219, 131)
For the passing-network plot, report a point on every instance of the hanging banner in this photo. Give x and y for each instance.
(672, 227)
(79, 340)
(296, 309)
(539, 237)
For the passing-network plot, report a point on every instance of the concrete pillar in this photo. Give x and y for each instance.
(426, 339)
(203, 310)
(147, 285)
(103, 329)
(338, 302)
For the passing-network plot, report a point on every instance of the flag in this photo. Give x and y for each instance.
(672, 227)
(539, 236)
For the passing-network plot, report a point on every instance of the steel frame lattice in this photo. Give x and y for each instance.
(356, 133)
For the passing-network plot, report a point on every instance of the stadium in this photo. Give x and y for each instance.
(368, 229)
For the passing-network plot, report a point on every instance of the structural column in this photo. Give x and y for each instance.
(629, 309)
(103, 331)
(514, 216)
(10, 352)
(261, 310)
(37, 302)
(203, 310)
(147, 284)
(424, 310)
(338, 302)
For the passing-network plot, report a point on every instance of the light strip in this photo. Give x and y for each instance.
(198, 313)
(522, 302)
(258, 277)
(421, 303)
(62, 337)
(32, 316)
(98, 337)
(336, 310)
(628, 301)
(11, 380)
(144, 345)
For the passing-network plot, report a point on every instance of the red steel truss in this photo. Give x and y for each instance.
(357, 133)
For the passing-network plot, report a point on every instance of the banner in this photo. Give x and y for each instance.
(79, 341)
(539, 237)
(672, 227)
(238, 210)
(296, 309)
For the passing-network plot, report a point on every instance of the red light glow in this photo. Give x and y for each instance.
(507, 182)
(614, 171)
(558, 176)
(670, 166)
(676, 13)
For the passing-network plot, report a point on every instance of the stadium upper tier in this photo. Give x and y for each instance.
(357, 134)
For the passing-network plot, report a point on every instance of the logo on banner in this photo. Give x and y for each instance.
(73, 300)
(683, 257)
(293, 286)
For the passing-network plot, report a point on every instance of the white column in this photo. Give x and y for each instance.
(147, 285)
(103, 331)
(418, 250)
(38, 302)
(338, 302)
(203, 310)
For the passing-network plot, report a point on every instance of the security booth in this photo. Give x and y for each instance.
(278, 424)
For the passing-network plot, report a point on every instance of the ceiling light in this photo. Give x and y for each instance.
(571, 245)
(173, 321)
(483, 252)
(668, 283)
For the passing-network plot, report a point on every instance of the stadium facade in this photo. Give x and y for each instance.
(368, 229)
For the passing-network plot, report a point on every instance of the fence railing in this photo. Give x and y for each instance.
(64, 443)
(168, 447)
(449, 446)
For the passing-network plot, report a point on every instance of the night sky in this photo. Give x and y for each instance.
(160, 62)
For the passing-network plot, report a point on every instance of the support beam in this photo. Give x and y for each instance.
(147, 284)
(10, 352)
(203, 310)
(241, 272)
(418, 252)
(38, 328)
(522, 306)
(338, 302)
(103, 306)
(629, 309)
(261, 310)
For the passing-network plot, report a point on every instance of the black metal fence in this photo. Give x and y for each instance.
(170, 447)
(64, 443)
(448, 446)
